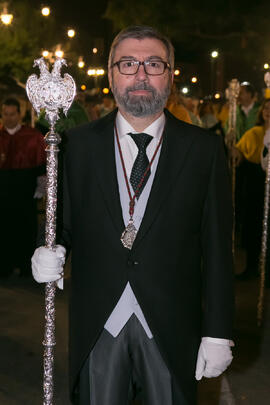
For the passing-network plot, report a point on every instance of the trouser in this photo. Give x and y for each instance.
(119, 370)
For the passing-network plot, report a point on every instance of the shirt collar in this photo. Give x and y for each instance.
(248, 108)
(155, 129)
(12, 131)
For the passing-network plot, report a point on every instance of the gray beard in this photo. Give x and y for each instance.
(142, 106)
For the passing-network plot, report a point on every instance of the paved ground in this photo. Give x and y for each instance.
(21, 328)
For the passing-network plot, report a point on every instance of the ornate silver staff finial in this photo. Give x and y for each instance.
(51, 92)
(264, 246)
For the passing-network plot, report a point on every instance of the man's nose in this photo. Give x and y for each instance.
(141, 75)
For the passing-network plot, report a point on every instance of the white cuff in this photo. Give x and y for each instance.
(219, 341)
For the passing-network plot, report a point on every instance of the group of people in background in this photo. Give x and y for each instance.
(23, 158)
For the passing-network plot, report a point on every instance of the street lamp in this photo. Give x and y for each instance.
(59, 53)
(71, 33)
(45, 54)
(6, 18)
(91, 72)
(81, 62)
(214, 54)
(185, 90)
(45, 11)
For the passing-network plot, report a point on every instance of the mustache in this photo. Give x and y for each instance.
(141, 86)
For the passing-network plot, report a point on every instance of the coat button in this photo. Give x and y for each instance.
(131, 263)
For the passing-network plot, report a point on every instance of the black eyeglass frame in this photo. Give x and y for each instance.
(139, 63)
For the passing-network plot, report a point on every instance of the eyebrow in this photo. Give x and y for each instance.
(152, 57)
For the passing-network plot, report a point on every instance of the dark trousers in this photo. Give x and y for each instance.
(126, 368)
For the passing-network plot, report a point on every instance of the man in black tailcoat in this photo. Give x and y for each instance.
(147, 214)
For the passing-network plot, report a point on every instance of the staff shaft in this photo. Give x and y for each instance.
(49, 342)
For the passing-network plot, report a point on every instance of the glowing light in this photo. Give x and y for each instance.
(177, 72)
(185, 90)
(91, 72)
(194, 79)
(45, 11)
(100, 72)
(45, 54)
(217, 96)
(95, 72)
(106, 90)
(214, 54)
(6, 18)
(71, 33)
(95, 50)
(83, 87)
(59, 53)
(266, 66)
(81, 63)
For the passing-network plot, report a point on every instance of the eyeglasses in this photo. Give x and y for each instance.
(151, 67)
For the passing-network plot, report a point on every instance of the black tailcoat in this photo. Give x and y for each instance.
(180, 266)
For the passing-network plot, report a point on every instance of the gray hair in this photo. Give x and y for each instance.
(141, 32)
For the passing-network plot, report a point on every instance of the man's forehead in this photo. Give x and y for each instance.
(147, 47)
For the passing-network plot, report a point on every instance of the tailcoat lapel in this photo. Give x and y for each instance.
(105, 158)
(174, 150)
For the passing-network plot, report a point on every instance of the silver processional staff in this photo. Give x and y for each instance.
(51, 92)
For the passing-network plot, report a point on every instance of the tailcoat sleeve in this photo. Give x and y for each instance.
(217, 264)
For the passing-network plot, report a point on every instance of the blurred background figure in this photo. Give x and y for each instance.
(107, 105)
(191, 104)
(91, 104)
(176, 106)
(22, 170)
(247, 110)
(248, 152)
(208, 117)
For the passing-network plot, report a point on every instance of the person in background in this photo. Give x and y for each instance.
(107, 105)
(22, 174)
(208, 118)
(176, 106)
(92, 107)
(248, 151)
(191, 104)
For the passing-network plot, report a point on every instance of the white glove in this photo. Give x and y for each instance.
(41, 187)
(47, 265)
(214, 357)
